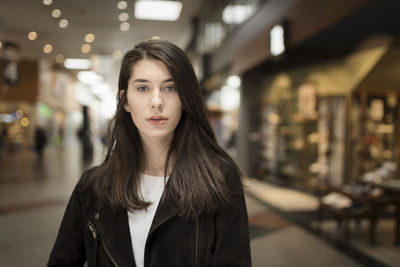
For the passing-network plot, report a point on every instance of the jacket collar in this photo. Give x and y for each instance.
(113, 227)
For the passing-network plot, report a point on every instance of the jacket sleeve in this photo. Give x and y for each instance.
(69, 248)
(232, 229)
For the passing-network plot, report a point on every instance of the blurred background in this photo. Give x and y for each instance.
(303, 94)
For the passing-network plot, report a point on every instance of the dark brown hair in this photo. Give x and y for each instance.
(196, 181)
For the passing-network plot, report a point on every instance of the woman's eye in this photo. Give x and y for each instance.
(170, 88)
(142, 88)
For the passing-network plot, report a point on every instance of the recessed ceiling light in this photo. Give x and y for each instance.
(123, 16)
(236, 14)
(89, 38)
(32, 35)
(47, 2)
(77, 63)
(117, 54)
(59, 58)
(63, 23)
(47, 48)
(122, 5)
(86, 48)
(56, 13)
(158, 10)
(124, 26)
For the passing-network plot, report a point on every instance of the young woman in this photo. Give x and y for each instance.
(166, 193)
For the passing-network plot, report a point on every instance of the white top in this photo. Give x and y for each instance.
(140, 221)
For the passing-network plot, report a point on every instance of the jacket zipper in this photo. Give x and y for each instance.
(197, 241)
(91, 227)
(93, 230)
(111, 258)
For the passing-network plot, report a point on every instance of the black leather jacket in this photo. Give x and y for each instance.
(101, 236)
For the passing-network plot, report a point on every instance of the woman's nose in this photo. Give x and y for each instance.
(157, 101)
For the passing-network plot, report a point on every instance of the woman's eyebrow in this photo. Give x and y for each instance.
(140, 80)
(168, 80)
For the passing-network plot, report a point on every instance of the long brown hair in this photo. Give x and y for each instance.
(196, 181)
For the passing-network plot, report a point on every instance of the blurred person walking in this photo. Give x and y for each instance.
(40, 142)
(3, 138)
(166, 193)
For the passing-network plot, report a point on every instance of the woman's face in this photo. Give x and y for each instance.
(152, 100)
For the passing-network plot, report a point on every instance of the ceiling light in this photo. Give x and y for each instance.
(277, 40)
(48, 48)
(122, 5)
(59, 58)
(234, 81)
(47, 2)
(56, 13)
(236, 14)
(63, 23)
(124, 26)
(86, 48)
(77, 63)
(89, 38)
(123, 17)
(117, 54)
(158, 10)
(89, 77)
(32, 35)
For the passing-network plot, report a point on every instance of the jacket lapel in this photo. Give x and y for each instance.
(113, 227)
(167, 208)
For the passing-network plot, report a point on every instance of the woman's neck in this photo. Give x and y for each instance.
(155, 152)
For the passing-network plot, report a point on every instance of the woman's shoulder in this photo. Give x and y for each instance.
(231, 172)
(86, 181)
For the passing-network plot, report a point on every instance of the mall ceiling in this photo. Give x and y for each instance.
(99, 17)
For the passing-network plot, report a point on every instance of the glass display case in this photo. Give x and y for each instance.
(374, 131)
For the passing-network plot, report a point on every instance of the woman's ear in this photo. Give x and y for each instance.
(126, 105)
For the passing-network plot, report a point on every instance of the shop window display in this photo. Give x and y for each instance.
(303, 136)
(374, 135)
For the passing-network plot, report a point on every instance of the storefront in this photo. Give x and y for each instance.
(333, 120)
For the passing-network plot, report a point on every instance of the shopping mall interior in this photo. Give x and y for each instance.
(302, 94)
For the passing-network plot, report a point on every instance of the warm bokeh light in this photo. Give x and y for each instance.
(122, 5)
(86, 48)
(48, 48)
(124, 26)
(123, 16)
(59, 58)
(89, 38)
(24, 122)
(1, 45)
(63, 23)
(155, 37)
(47, 2)
(56, 13)
(32, 35)
(117, 54)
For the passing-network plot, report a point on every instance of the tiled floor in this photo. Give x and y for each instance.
(33, 198)
(301, 207)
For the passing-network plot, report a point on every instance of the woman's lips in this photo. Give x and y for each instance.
(157, 120)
